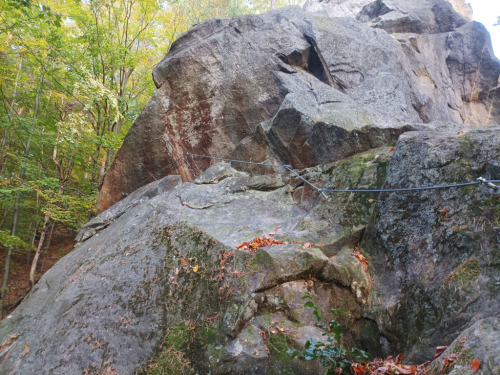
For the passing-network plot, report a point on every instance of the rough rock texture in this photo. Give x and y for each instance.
(156, 284)
(228, 87)
(336, 8)
(137, 197)
(424, 17)
(123, 299)
(434, 254)
(481, 342)
(351, 8)
(452, 59)
(464, 8)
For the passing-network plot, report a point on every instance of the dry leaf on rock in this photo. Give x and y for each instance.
(439, 351)
(265, 241)
(475, 364)
(388, 366)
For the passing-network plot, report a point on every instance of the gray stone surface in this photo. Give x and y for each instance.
(137, 197)
(335, 8)
(404, 16)
(227, 87)
(452, 60)
(434, 254)
(114, 299)
(156, 282)
(481, 341)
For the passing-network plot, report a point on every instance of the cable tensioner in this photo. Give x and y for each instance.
(483, 181)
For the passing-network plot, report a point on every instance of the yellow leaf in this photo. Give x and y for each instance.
(195, 269)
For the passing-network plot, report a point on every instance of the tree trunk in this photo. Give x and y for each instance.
(32, 242)
(48, 245)
(37, 224)
(37, 254)
(273, 4)
(4, 217)
(8, 258)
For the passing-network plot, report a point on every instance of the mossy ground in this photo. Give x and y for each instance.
(169, 361)
(278, 345)
(465, 274)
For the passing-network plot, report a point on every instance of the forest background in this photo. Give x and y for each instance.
(74, 75)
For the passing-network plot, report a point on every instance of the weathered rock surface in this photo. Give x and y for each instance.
(156, 283)
(464, 8)
(402, 16)
(434, 254)
(443, 51)
(229, 87)
(351, 8)
(124, 299)
(481, 342)
(336, 8)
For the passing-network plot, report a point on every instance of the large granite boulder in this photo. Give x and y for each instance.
(455, 68)
(403, 16)
(157, 283)
(336, 8)
(163, 280)
(434, 254)
(226, 88)
(351, 8)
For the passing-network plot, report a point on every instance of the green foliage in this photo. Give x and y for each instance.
(330, 355)
(14, 242)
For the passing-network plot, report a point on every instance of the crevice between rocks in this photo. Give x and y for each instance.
(311, 61)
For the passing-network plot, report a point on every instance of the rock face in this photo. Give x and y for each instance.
(229, 87)
(336, 8)
(465, 9)
(435, 252)
(156, 283)
(351, 8)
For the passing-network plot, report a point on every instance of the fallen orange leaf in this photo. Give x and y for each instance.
(439, 351)
(183, 262)
(475, 364)
(223, 262)
(391, 150)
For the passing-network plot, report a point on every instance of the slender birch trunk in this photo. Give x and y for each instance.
(37, 254)
(48, 246)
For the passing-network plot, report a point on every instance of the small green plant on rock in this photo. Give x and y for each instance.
(336, 359)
